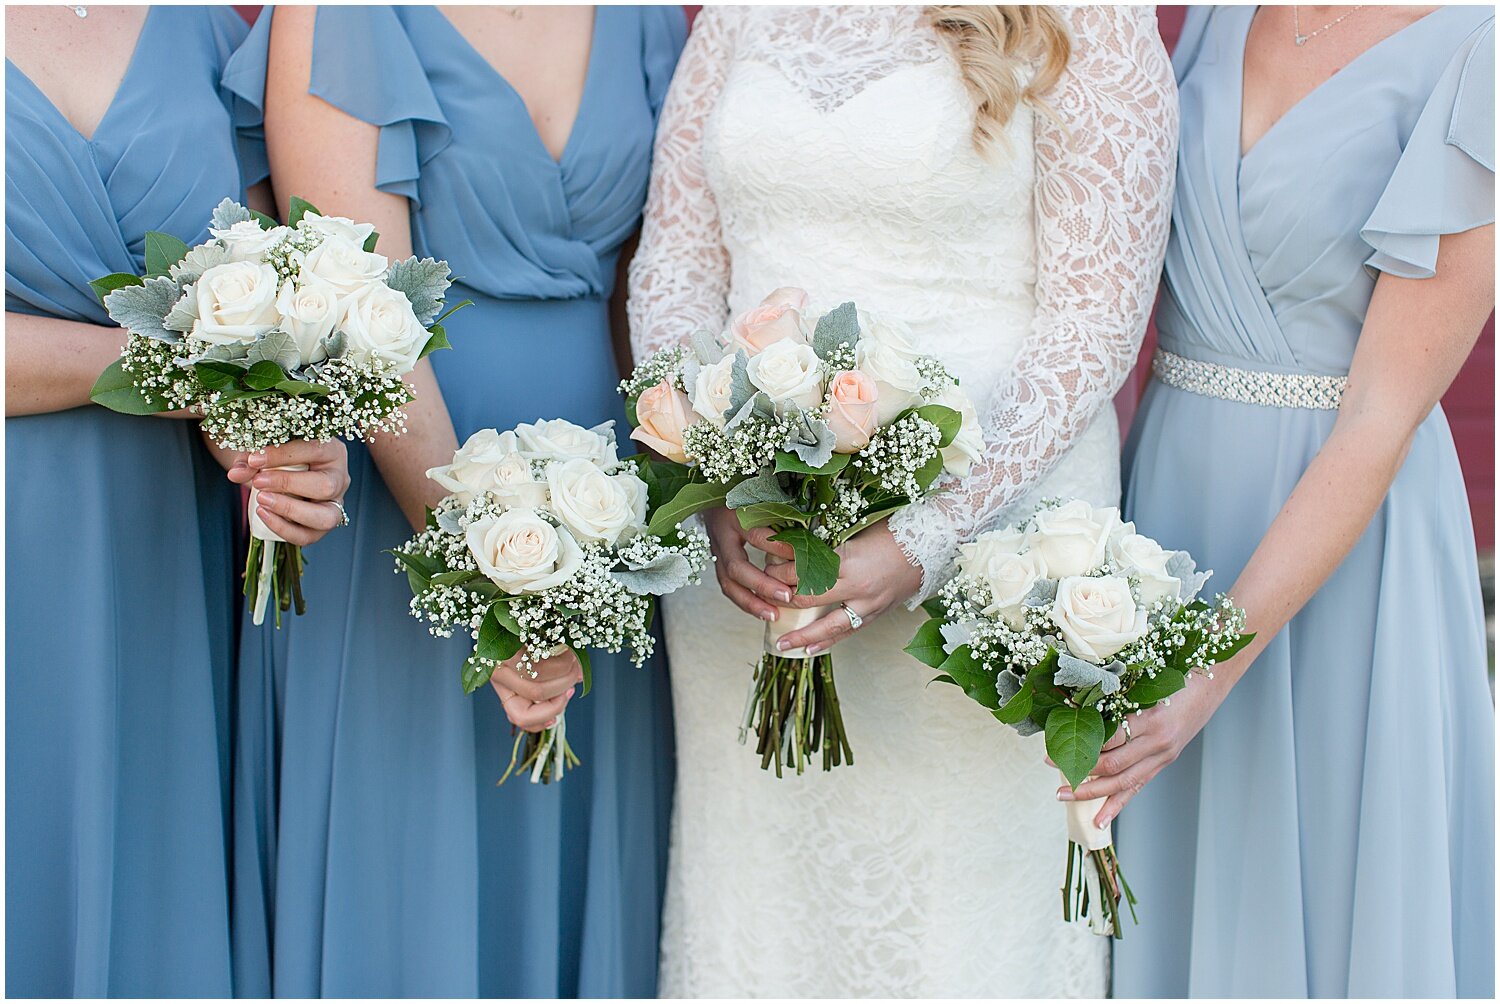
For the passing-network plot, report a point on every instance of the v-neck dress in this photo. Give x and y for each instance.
(1331, 831)
(387, 862)
(120, 558)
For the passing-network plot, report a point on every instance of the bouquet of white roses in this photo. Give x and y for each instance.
(1067, 624)
(273, 333)
(815, 424)
(544, 545)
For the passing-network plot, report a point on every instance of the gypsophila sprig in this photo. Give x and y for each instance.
(544, 544)
(788, 418)
(1069, 623)
(272, 333)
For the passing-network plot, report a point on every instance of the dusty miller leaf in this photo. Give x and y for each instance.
(424, 281)
(141, 309)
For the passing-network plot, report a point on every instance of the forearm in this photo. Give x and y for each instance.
(51, 364)
(429, 441)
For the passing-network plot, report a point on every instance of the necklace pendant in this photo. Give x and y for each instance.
(1301, 39)
(80, 10)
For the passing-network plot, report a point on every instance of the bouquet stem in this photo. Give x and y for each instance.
(273, 567)
(793, 704)
(546, 755)
(1093, 885)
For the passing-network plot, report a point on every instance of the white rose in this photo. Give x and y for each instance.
(309, 313)
(1097, 616)
(711, 390)
(490, 461)
(885, 355)
(380, 324)
(338, 226)
(521, 552)
(345, 265)
(246, 241)
(594, 505)
(1011, 578)
(1072, 538)
(559, 439)
(960, 456)
(236, 303)
(976, 556)
(1147, 560)
(790, 374)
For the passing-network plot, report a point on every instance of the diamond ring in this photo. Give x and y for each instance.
(343, 515)
(855, 620)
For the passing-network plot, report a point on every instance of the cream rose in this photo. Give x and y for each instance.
(594, 505)
(885, 354)
(490, 461)
(236, 303)
(662, 413)
(791, 374)
(1073, 538)
(521, 552)
(309, 313)
(974, 558)
(345, 265)
(960, 456)
(711, 390)
(246, 241)
(775, 319)
(1097, 616)
(852, 398)
(1147, 561)
(338, 226)
(380, 324)
(1011, 578)
(559, 439)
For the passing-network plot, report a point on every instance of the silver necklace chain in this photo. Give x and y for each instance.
(1301, 39)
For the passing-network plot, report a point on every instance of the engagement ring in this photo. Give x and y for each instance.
(855, 620)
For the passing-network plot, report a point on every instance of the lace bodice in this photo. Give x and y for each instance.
(830, 148)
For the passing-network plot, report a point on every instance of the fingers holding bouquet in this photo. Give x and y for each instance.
(534, 699)
(298, 487)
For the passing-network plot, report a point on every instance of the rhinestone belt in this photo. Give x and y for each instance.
(1229, 383)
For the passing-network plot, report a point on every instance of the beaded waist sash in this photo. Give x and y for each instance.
(1229, 383)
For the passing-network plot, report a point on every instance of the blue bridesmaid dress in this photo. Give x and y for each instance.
(1331, 831)
(387, 862)
(120, 559)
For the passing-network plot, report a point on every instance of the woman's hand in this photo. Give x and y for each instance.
(299, 506)
(533, 703)
(874, 576)
(746, 586)
(1156, 738)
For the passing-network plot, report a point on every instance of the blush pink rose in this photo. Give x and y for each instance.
(661, 414)
(851, 410)
(776, 318)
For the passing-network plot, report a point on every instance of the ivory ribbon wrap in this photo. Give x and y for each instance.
(260, 531)
(790, 619)
(1081, 828)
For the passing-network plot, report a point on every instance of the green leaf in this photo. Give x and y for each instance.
(761, 488)
(770, 514)
(476, 674)
(115, 280)
(162, 252)
(1018, 708)
(420, 563)
(266, 222)
(791, 463)
(298, 209)
(1074, 738)
(1149, 691)
(460, 305)
(423, 281)
(496, 642)
(930, 471)
(372, 240)
(933, 605)
(216, 375)
(926, 645)
(264, 375)
(663, 478)
(978, 682)
(693, 498)
(302, 388)
(817, 563)
(1234, 648)
(840, 326)
(439, 340)
(456, 577)
(116, 390)
(946, 419)
(501, 612)
(588, 670)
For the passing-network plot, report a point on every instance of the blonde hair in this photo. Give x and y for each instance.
(990, 44)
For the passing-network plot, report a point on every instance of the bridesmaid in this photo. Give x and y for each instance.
(515, 143)
(120, 532)
(1330, 832)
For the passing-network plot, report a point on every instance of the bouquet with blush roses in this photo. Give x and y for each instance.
(1067, 624)
(815, 423)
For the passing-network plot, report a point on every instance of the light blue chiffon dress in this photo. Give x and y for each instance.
(388, 863)
(1331, 831)
(120, 558)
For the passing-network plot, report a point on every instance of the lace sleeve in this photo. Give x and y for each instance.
(1103, 201)
(679, 279)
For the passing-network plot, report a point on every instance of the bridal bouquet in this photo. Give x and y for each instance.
(546, 542)
(273, 333)
(1066, 624)
(815, 424)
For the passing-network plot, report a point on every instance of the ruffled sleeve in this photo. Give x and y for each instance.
(1444, 182)
(243, 86)
(663, 35)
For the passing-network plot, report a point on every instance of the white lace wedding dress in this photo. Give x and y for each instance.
(830, 148)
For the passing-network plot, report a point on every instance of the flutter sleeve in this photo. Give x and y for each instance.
(679, 279)
(1103, 201)
(243, 50)
(1444, 182)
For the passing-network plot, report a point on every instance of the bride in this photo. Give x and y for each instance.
(999, 178)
